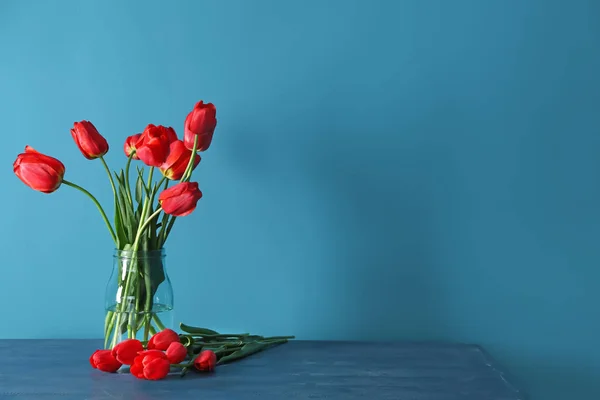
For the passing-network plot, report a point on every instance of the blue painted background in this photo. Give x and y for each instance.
(384, 170)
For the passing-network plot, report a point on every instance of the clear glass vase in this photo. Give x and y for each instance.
(139, 297)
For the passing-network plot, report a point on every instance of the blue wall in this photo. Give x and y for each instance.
(400, 169)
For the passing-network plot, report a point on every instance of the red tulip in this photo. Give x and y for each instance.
(39, 171)
(126, 351)
(162, 339)
(180, 200)
(150, 364)
(130, 145)
(91, 143)
(176, 353)
(177, 161)
(206, 361)
(201, 121)
(154, 145)
(105, 361)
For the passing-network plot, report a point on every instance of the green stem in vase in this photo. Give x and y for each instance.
(97, 203)
(148, 305)
(130, 325)
(158, 322)
(147, 326)
(147, 278)
(109, 323)
(132, 271)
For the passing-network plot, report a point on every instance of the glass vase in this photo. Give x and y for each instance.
(139, 297)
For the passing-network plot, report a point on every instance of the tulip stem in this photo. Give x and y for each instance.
(185, 178)
(108, 225)
(127, 184)
(147, 278)
(168, 230)
(133, 269)
(165, 222)
(112, 182)
(190, 167)
(158, 322)
(144, 226)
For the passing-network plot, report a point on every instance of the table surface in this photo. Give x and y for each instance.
(59, 369)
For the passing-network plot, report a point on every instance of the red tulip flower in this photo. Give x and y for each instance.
(201, 121)
(177, 161)
(105, 361)
(91, 143)
(206, 361)
(130, 145)
(162, 339)
(126, 351)
(176, 353)
(39, 171)
(180, 200)
(154, 145)
(151, 364)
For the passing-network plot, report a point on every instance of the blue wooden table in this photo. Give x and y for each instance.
(59, 369)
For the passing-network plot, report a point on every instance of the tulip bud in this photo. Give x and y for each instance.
(162, 339)
(181, 199)
(90, 142)
(177, 161)
(151, 365)
(130, 145)
(206, 361)
(201, 121)
(104, 361)
(176, 353)
(154, 145)
(39, 171)
(126, 351)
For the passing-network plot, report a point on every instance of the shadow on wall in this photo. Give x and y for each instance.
(377, 199)
(391, 210)
(373, 200)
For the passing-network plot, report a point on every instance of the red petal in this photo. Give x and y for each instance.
(156, 369)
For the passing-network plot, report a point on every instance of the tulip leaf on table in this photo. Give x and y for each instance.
(228, 347)
(247, 350)
(197, 330)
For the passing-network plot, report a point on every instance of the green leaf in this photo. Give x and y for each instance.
(196, 330)
(128, 220)
(141, 177)
(246, 350)
(139, 188)
(124, 225)
(109, 323)
(121, 236)
(138, 212)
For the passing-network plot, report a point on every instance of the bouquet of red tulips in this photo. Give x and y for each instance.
(137, 228)
(154, 362)
(139, 233)
(200, 349)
